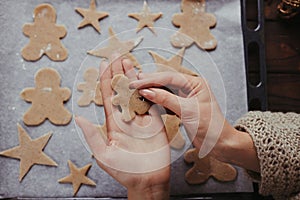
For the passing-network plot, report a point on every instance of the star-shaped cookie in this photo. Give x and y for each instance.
(29, 152)
(174, 135)
(77, 177)
(174, 63)
(145, 18)
(117, 46)
(91, 16)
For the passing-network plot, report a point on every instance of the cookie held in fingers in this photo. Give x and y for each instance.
(129, 100)
(47, 99)
(206, 167)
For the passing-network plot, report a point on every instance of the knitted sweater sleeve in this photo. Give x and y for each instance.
(276, 137)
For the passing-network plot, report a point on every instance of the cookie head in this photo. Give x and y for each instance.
(44, 13)
(47, 77)
(91, 74)
(192, 6)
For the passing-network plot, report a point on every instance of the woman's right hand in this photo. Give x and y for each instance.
(200, 114)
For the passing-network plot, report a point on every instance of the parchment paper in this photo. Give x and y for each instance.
(223, 68)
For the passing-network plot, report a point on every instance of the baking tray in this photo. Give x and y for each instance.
(224, 68)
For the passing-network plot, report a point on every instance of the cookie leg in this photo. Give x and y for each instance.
(181, 40)
(84, 100)
(57, 53)
(194, 176)
(33, 117)
(208, 43)
(60, 116)
(31, 53)
(178, 141)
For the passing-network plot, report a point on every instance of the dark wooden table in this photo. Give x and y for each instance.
(282, 48)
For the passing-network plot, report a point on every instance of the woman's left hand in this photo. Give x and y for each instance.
(136, 153)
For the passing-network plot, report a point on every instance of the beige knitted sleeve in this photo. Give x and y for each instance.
(276, 137)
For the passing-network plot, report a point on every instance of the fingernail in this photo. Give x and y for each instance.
(148, 94)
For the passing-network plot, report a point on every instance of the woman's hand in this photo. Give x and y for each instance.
(137, 153)
(201, 116)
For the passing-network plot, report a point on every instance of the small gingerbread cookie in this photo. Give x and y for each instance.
(128, 99)
(194, 25)
(44, 36)
(205, 167)
(47, 99)
(172, 125)
(90, 88)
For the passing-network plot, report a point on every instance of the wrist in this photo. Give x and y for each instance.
(236, 147)
(151, 192)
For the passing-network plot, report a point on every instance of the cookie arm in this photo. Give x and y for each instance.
(211, 20)
(65, 94)
(177, 19)
(81, 86)
(61, 31)
(27, 29)
(27, 94)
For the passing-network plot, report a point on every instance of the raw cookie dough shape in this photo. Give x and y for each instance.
(205, 167)
(117, 46)
(172, 125)
(77, 177)
(128, 99)
(47, 99)
(145, 18)
(90, 88)
(91, 16)
(44, 36)
(194, 25)
(173, 63)
(29, 152)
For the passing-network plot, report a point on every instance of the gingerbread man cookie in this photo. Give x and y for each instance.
(205, 167)
(128, 99)
(44, 36)
(90, 88)
(194, 25)
(172, 125)
(47, 99)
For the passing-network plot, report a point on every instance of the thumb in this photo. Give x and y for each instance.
(163, 98)
(92, 135)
